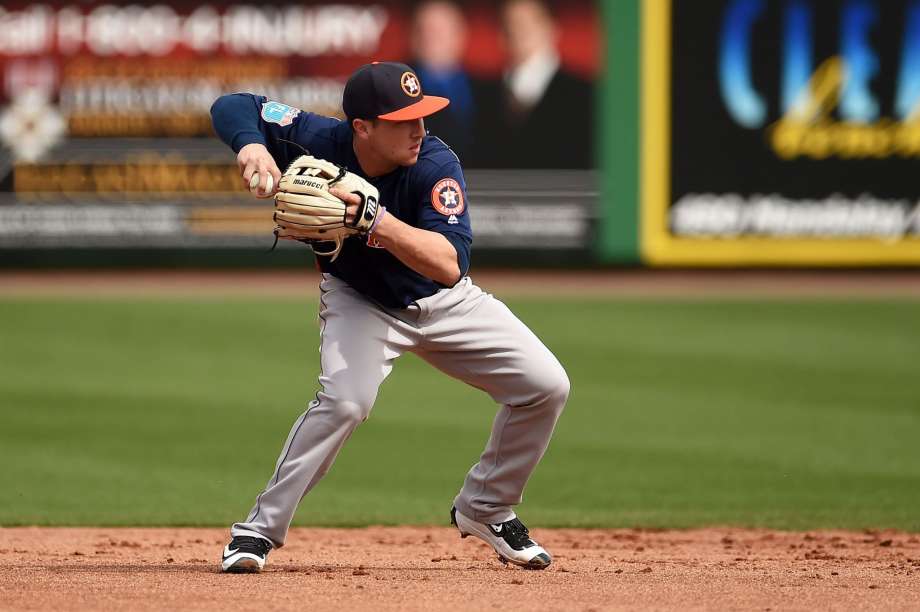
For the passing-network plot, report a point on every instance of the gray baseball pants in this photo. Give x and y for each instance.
(463, 332)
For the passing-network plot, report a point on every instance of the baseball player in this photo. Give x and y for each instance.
(400, 286)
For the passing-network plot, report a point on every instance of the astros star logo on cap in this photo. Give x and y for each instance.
(410, 84)
(390, 91)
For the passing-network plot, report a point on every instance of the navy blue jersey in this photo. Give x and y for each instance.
(430, 195)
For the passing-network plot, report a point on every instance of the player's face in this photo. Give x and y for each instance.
(398, 142)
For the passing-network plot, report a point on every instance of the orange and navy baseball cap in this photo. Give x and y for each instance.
(389, 91)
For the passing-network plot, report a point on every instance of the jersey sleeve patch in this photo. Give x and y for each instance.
(276, 112)
(447, 197)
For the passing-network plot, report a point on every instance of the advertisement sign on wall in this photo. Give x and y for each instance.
(106, 138)
(780, 132)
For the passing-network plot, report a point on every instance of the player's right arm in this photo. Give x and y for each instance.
(256, 128)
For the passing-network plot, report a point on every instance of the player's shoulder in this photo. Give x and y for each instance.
(435, 151)
(332, 140)
(328, 128)
(435, 158)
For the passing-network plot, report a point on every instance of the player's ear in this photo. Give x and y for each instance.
(361, 127)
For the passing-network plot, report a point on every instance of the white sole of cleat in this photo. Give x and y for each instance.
(242, 563)
(533, 558)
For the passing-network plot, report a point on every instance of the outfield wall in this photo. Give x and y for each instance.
(765, 132)
(705, 133)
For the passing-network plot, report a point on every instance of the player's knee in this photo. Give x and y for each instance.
(558, 387)
(551, 388)
(352, 412)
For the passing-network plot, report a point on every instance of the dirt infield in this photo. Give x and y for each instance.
(558, 284)
(417, 568)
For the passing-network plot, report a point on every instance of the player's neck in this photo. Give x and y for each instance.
(371, 163)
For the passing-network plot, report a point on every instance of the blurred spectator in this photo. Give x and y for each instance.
(539, 115)
(438, 43)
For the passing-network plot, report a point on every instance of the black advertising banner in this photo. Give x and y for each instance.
(789, 131)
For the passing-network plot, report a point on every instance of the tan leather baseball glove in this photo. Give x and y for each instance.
(306, 211)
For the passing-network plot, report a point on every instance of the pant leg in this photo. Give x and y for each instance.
(474, 337)
(358, 345)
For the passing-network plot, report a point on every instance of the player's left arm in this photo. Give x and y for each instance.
(439, 248)
(427, 252)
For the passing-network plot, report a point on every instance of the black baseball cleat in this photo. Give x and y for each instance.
(245, 555)
(510, 539)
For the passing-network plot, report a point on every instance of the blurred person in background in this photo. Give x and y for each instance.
(539, 115)
(438, 44)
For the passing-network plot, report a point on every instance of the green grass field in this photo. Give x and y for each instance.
(781, 413)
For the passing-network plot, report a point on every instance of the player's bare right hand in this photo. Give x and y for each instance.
(255, 159)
